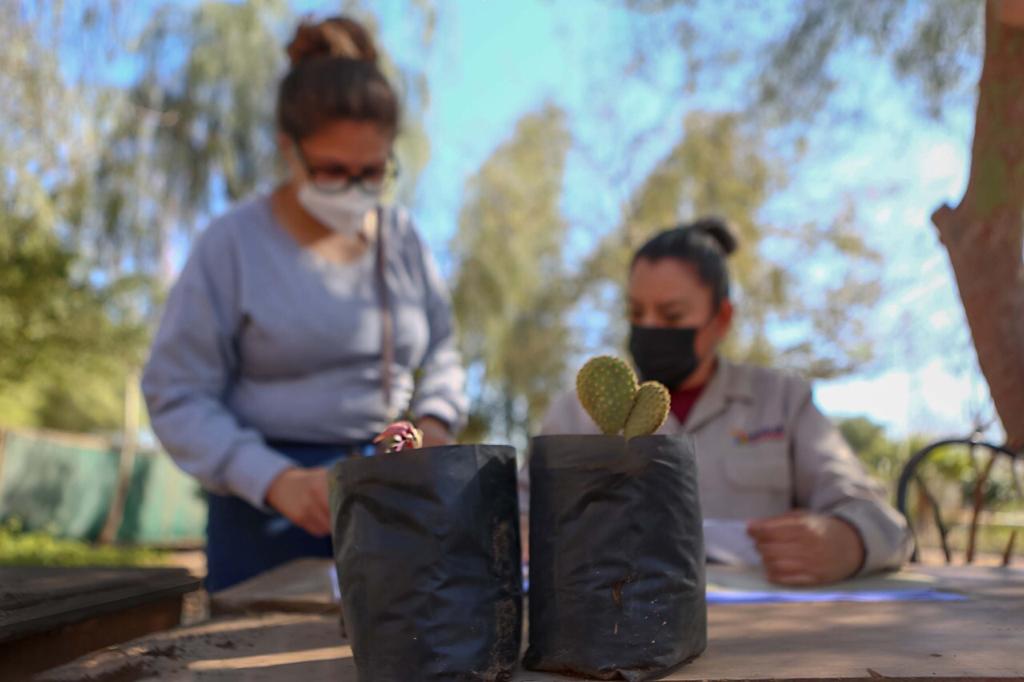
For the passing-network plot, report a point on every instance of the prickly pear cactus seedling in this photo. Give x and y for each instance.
(609, 392)
(606, 387)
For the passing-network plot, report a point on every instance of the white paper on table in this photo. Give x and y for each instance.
(726, 541)
(332, 576)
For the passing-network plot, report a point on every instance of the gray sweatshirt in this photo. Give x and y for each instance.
(261, 339)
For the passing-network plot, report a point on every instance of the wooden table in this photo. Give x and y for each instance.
(980, 637)
(301, 586)
(52, 615)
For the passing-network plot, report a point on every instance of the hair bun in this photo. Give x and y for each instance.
(333, 37)
(719, 230)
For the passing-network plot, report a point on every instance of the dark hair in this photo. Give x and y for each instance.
(705, 243)
(334, 76)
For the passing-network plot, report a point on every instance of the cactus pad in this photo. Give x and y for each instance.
(606, 387)
(650, 409)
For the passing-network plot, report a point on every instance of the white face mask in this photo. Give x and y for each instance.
(343, 212)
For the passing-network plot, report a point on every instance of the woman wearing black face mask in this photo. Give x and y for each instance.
(767, 458)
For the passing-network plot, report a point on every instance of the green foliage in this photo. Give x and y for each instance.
(106, 180)
(934, 45)
(959, 465)
(70, 329)
(37, 548)
(721, 167)
(94, 207)
(193, 129)
(785, 64)
(950, 471)
(511, 295)
(209, 121)
(945, 485)
(61, 331)
(803, 51)
(882, 457)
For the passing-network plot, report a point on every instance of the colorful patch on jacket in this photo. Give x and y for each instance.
(742, 437)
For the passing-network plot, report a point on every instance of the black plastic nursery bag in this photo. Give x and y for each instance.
(616, 556)
(427, 548)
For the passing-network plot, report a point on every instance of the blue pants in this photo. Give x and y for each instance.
(242, 541)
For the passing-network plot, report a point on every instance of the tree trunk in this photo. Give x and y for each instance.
(1010, 12)
(984, 234)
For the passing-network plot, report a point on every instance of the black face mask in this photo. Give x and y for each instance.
(666, 355)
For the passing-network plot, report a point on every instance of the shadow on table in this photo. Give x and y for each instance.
(279, 646)
(958, 639)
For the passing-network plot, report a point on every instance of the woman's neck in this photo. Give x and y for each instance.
(312, 235)
(303, 227)
(702, 375)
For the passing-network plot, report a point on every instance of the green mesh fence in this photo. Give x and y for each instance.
(64, 484)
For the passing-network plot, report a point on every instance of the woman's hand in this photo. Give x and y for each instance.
(300, 495)
(435, 432)
(802, 548)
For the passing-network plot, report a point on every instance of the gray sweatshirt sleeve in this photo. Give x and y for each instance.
(830, 479)
(189, 373)
(440, 390)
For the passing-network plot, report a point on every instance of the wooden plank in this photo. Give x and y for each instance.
(266, 647)
(39, 599)
(966, 640)
(35, 653)
(302, 586)
(754, 642)
(306, 586)
(972, 639)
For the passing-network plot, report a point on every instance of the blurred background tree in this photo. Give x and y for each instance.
(109, 173)
(722, 166)
(67, 328)
(935, 48)
(882, 456)
(512, 293)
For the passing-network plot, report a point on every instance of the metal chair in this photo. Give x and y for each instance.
(968, 467)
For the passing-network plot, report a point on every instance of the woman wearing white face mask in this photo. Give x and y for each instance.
(294, 332)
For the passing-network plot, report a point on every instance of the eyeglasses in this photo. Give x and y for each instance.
(336, 178)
